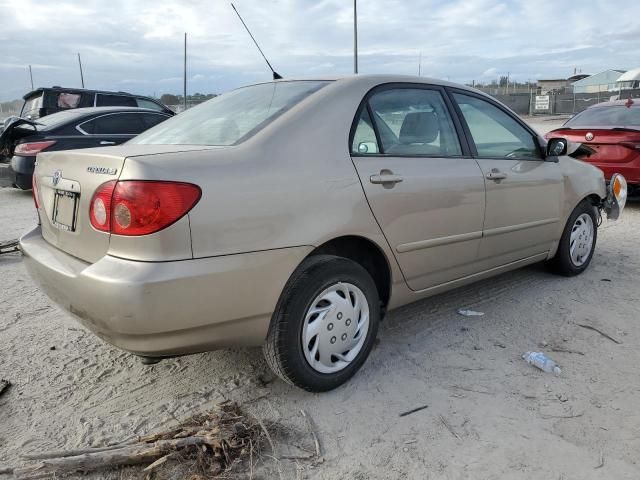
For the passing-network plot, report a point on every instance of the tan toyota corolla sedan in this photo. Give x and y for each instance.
(293, 214)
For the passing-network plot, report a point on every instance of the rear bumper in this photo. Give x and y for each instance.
(21, 171)
(630, 170)
(166, 308)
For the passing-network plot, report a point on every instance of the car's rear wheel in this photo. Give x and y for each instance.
(324, 325)
(578, 241)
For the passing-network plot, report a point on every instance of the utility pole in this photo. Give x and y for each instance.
(184, 89)
(420, 65)
(31, 76)
(81, 75)
(355, 36)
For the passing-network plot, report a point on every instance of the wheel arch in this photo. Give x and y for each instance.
(367, 254)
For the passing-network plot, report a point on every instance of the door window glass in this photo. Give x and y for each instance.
(68, 100)
(364, 138)
(115, 124)
(115, 101)
(495, 133)
(414, 121)
(144, 103)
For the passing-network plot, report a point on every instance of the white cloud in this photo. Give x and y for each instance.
(141, 42)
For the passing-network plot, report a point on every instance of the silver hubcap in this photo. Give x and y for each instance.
(335, 328)
(581, 241)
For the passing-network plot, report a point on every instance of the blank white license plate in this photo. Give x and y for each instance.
(64, 210)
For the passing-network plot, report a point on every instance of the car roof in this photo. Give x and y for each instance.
(80, 90)
(73, 115)
(380, 77)
(618, 103)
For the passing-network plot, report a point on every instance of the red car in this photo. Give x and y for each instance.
(612, 131)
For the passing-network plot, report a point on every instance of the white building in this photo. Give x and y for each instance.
(600, 82)
(629, 80)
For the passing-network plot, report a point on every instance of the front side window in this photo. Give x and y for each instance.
(414, 121)
(31, 106)
(495, 133)
(231, 117)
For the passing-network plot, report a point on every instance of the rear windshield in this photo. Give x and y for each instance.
(232, 117)
(613, 116)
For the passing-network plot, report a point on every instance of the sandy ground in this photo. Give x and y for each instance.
(489, 415)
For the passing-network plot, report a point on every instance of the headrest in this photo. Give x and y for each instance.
(419, 127)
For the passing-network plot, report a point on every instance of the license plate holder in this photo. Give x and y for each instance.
(65, 207)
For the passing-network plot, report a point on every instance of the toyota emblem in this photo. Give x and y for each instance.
(57, 175)
(588, 137)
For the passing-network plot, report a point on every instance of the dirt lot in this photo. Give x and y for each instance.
(489, 415)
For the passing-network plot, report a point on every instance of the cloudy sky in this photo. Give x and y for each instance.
(136, 45)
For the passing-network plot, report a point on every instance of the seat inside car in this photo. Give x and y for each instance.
(418, 131)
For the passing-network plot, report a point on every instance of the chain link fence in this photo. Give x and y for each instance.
(561, 103)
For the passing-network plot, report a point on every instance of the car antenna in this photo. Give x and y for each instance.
(276, 75)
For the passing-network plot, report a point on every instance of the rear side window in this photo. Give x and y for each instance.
(410, 121)
(144, 103)
(151, 119)
(115, 124)
(104, 100)
(68, 100)
(495, 133)
(231, 117)
(364, 138)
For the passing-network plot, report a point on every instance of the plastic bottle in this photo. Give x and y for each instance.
(540, 360)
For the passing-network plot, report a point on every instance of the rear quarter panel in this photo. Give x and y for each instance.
(292, 184)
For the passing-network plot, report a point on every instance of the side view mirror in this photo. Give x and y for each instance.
(557, 147)
(367, 147)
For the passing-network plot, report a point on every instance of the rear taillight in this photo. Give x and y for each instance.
(32, 148)
(139, 207)
(99, 211)
(631, 145)
(34, 191)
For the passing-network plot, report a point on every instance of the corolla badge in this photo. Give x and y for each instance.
(102, 170)
(588, 137)
(57, 176)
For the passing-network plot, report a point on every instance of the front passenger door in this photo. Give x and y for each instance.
(426, 194)
(524, 193)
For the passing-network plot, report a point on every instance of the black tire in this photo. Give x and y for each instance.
(562, 264)
(283, 349)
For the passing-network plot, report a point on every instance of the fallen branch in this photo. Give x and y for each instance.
(225, 435)
(601, 464)
(546, 417)
(448, 427)
(9, 246)
(413, 410)
(566, 350)
(313, 433)
(4, 386)
(606, 335)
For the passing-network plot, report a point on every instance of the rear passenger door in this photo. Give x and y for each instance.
(524, 193)
(424, 189)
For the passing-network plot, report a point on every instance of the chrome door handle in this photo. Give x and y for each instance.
(496, 175)
(106, 142)
(385, 178)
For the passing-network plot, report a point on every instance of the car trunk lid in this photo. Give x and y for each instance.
(611, 145)
(66, 182)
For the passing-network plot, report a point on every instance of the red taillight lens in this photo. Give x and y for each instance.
(100, 208)
(32, 148)
(138, 207)
(34, 191)
(631, 145)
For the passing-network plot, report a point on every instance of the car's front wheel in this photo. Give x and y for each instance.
(324, 325)
(578, 241)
